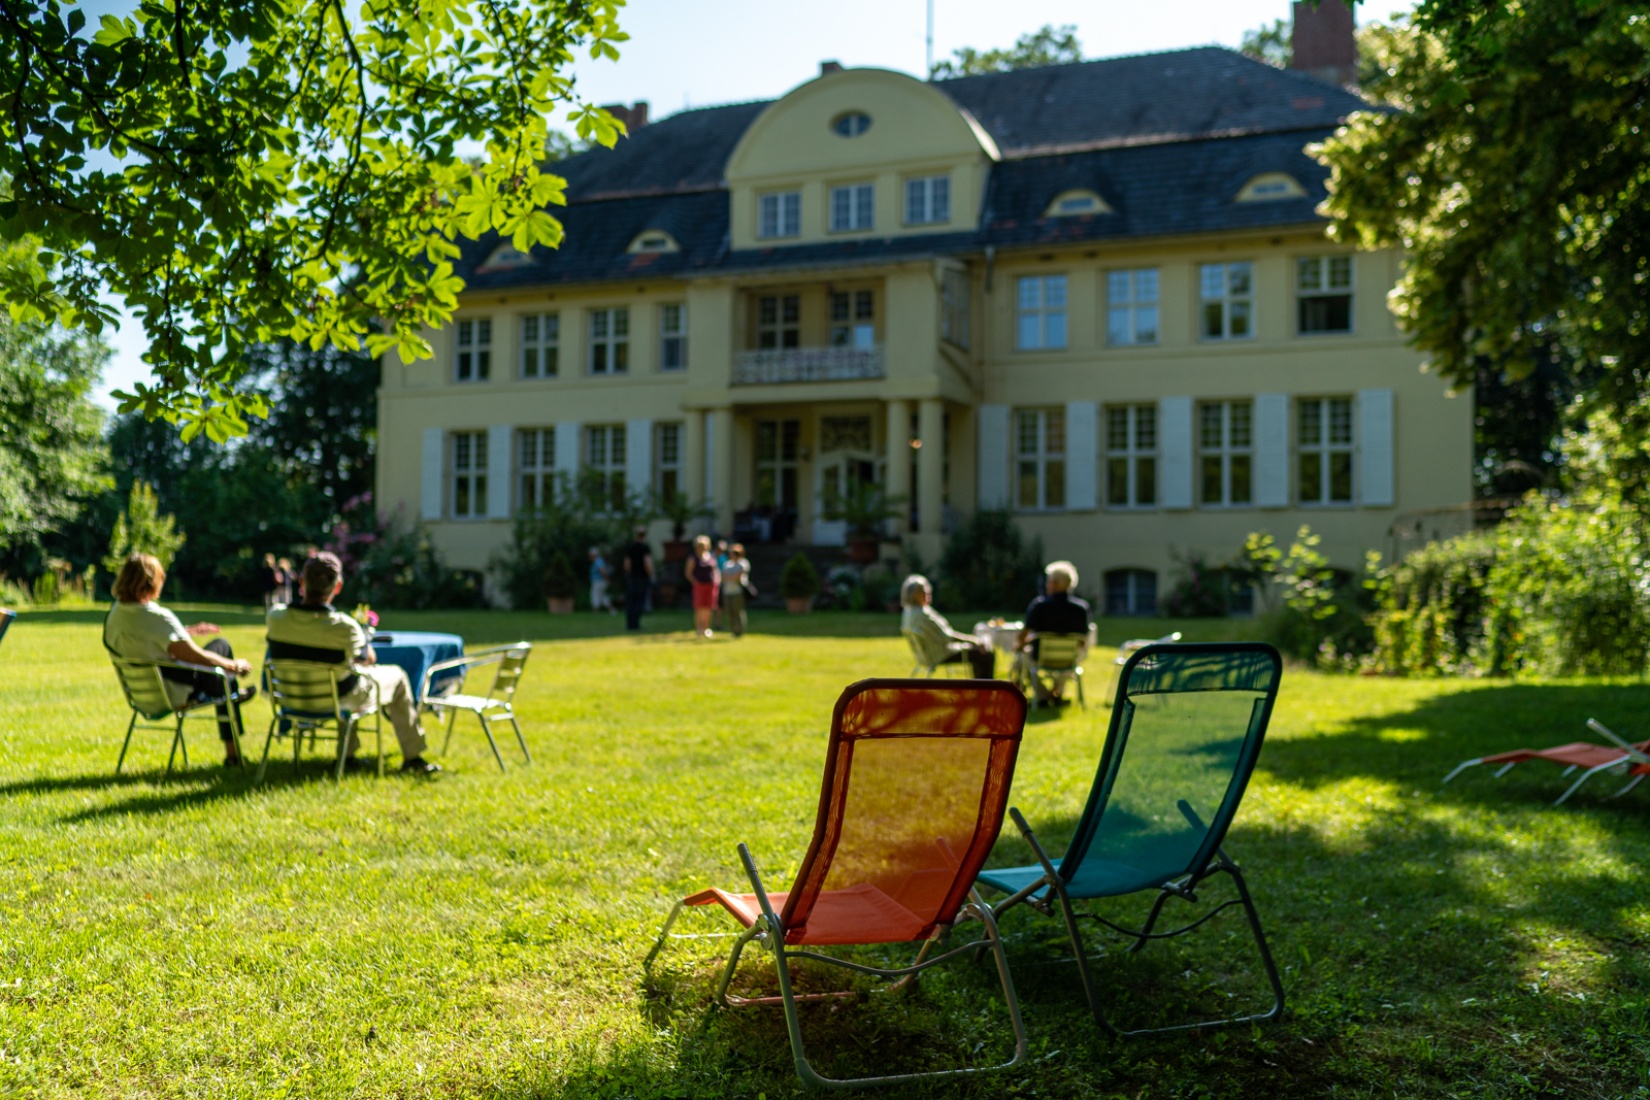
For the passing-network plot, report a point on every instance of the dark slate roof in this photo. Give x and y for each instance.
(849, 253)
(1158, 97)
(684, 152)
(1153, 190)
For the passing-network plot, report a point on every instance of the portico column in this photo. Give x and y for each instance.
(899, 461)
(694, 484)
(719, 425)
(930, 472)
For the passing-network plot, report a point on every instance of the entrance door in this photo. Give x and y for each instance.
(835, 475)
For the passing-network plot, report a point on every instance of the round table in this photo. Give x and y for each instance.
(417, 650)
(1002, 636)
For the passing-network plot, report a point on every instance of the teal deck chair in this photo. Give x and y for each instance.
(1185, 732)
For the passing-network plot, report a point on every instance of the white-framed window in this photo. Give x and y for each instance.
(469, 466)
(1040, 459)
(540, 345)
(853, 319)
(1131, 456)
(667, 459)
(928, 200)
(954, 308)
(673, 336)
(535, 468)
(1131, 592)
(1323, 294)
(852, 207)
(1040, 312)
(1228, 300)
(1226, 453)
(851, 124)
(604, 453)
(1323, 450)
(1131, 307)
(610, 341)
(778, 321)
(779, 214)
(474, 346)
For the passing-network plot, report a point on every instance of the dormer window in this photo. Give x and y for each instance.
(1071, 204)
(851, 124)
(654, 240)
(1271, 186)
(506, 255)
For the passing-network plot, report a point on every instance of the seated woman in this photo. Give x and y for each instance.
(140, 629)
(933, 636)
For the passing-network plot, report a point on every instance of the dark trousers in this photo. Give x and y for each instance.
(208, 685)
(982, 659)
(635, 602)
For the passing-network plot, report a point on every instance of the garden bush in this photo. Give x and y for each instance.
(396, 566)
(1315, 612)
(987, 565)
(1432, 608)
(799, 580)
(579, 515)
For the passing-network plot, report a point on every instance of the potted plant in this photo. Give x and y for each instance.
(865, 509)
(680, 510)
(799, 583)
(560, 585)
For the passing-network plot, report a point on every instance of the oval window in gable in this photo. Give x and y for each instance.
(851, 123)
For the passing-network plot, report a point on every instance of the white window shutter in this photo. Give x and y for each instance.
(1375, 448)
(1174, 438)
(1272, 450)
(638, 455)
(710, 457)
(993, 456)
(1082, 456)
(435, 461)
(567, 448)
(499, 438)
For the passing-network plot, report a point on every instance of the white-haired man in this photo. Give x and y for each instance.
(1057, 611)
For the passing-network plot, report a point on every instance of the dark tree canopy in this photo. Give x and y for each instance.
(245, 171)
(1050, 45)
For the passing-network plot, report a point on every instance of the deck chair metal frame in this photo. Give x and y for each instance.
(304, 700)
(951, 667)
(1581, 756)
(769, 929)
(1209, 860)
(6, 617)
(1063, 658)
(145, 690)
(498, 705)
(1127, 649)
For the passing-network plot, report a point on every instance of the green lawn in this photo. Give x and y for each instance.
(483, 934)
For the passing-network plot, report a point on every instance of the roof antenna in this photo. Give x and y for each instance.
(928, 74)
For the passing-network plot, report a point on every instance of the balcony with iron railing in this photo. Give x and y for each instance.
(769, 366)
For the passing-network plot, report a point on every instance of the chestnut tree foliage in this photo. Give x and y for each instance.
(1514, 172)
(243, 171)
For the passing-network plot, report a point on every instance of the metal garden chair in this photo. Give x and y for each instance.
(1185, 733)
(923, 668)
(146, 693)
(1057, 658)
(498, 705)
(305, 698)
(1584, 755)
(930, 767)
(1123, 653)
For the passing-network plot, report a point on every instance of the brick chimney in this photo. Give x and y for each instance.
(1322, 41)
(826, 68)
(634, 118)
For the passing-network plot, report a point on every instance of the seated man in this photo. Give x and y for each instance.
(311, 630)
(934, 638)
(1055, 612)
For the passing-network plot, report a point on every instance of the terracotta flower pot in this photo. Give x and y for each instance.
(799, 605)
(558, 605)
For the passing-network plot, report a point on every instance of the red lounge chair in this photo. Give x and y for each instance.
(1585, 755)
(916, 781)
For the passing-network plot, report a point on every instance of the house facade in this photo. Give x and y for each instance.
(1096, 294)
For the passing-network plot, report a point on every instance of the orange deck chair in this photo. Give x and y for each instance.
(1590, 758)
(916, 780)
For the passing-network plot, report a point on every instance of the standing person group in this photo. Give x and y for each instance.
(638, 577)
(275, 577)
(735, 572)
(598, 582)
(701, 572)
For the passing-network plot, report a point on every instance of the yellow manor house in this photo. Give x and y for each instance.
(1096, 294)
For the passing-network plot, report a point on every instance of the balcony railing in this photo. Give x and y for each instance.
(761, 368)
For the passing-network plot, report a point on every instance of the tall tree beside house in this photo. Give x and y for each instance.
(53, 462)
(323, 419)
(1517, 179)
(243, 173)
(1049, 45)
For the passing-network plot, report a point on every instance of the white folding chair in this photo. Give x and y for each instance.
(146, 693)
(924, 668)
(498, 705)
(305, 698)
(1127, 648)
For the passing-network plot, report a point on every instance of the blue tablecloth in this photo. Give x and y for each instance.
(417, 650)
